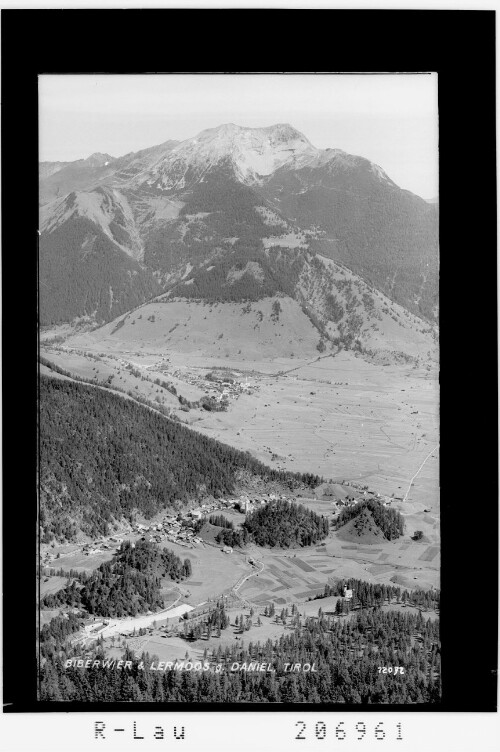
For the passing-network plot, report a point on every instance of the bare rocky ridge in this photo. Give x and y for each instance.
(247, 202)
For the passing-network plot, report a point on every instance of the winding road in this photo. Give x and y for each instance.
(240, 582)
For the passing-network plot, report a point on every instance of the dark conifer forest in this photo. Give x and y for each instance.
(388, 520)
(279, 271)
(281, 523)
(79, 265)
(104, 458)
(348, 655)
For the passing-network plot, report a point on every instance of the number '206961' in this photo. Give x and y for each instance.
(342, 731)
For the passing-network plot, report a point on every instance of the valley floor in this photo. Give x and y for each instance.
(337, 416)
(340, 417)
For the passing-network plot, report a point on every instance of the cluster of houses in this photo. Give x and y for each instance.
(220, 387)
(180, 529)
(351, 501)
(360, 492)
(248, 504)
(103, 544)
(223, 391)
(348, 501)
(171, 529)
(244, 503)
(176, 528)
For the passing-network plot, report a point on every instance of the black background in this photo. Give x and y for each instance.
(460, 46)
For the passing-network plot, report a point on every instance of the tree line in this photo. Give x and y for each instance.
(369, 594)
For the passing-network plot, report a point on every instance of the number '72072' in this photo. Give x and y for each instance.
(391, 669)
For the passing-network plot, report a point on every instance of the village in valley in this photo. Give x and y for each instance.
(256, 584)
(351, 414)
(180, 528)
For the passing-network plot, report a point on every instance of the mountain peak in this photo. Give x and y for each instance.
(284, 129)
(254, 153)
(99, 159)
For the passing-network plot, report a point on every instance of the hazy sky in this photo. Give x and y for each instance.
(390, 119)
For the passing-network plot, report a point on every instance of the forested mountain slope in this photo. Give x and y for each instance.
(104, 458)
(85, 274)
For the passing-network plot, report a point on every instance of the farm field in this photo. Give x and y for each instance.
(46, 615)
(50, 585)
(344, 418)
(210, 577)
(293, 576)
(172, 648)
